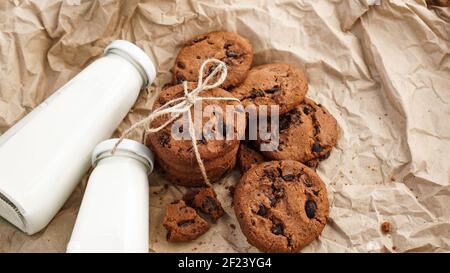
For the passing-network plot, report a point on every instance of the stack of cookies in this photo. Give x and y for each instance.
(280, 202)
(176, 157)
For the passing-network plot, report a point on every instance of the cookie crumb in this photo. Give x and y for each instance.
(386, 227)
(231, 190)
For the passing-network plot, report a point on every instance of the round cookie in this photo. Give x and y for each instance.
(307, 132)
(176, 156)
(228, 47)
(281, 206)
(273, 84)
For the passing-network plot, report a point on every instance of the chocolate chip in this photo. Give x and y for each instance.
(164, 140)
(181, 65)
(185, 223)
(180, 79)
(306, 110)
(256, 93)
(294, 111)
(272, 90)
(325, 156)
(317, 128)
(231, 54)
(307, 182)
(211, 68)
(288, 177)
(284, 122)
(277, 229)
(209, 204)
(277, 194)
(262, 211)
(202, 140)
(310, 208)
(316, 147)
(269, 174)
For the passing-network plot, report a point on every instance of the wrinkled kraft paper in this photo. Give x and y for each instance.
(382, 70)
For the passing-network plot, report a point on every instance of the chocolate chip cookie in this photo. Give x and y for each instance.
(273, 84)
(189, 174)
(176, 156)
(306, 132)
(281, 206)
(228, 47)
(205, 200)
(183, 223)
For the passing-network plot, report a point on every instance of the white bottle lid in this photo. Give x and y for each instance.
(126, 145)
(137, 55)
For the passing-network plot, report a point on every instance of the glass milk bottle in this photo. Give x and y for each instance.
(114, 213)
(44, 156)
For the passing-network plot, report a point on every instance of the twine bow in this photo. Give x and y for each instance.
(183, 105)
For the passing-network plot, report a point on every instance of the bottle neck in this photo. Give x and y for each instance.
(123, 154)
(138, 67)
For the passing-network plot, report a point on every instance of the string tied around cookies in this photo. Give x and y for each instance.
(178, 106)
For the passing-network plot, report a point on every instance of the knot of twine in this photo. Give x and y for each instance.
(178, 106)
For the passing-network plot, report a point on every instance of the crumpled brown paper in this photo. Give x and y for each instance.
(382, 70)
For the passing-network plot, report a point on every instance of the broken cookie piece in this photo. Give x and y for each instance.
(183, 223)
(205, 200)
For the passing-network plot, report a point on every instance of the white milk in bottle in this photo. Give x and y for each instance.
(44, 156)
(114, 213)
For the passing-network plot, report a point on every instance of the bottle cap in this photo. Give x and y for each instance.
(136, 55)
(126, 145)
